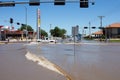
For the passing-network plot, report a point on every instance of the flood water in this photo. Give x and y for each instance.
(87, 61)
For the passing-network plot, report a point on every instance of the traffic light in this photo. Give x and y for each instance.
(101, 27)
(59, 2)
(93, 3)
(18, 23)
(22, 24)
(34, 2)
(84, 3)
(93, 27)
(11, 20)
(85, 27)
(7, 3)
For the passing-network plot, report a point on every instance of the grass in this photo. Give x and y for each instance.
(114, 40)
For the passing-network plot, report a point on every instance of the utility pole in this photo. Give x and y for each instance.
(101, 18)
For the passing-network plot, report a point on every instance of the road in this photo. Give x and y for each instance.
(84, 61)
(15, 66)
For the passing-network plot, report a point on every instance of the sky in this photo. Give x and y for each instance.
(65, 17)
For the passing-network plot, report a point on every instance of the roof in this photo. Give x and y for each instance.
(1, 26)
(114, 25)
(98, 33)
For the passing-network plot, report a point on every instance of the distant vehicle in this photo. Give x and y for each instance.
(52, 40)
(39, 40)
(46, 40)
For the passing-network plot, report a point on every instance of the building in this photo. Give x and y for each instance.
(6, 33)
(110, 31)
(113, 30)
(98, 34)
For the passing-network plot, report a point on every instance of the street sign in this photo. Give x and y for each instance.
(7, 3)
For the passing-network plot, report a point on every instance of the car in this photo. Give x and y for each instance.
(39, 40)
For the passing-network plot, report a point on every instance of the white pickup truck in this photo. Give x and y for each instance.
(46, 40)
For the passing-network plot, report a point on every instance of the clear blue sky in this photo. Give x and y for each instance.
(63, 16)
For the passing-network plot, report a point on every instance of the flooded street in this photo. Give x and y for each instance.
(85, 61)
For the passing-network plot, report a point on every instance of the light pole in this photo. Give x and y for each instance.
(26, 20)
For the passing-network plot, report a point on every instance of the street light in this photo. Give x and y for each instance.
(26, 20)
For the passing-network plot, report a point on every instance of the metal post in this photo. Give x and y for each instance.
(0, 34)
(5, 34)
(101, 17)
(74, 39)
(83, 33)
(105, 34)
(26, 21)
(89, 30)
(38, 24)
(50, 30)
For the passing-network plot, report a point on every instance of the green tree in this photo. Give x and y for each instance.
(23, 27)
(63, 32)
(57, 32)
(43, 33)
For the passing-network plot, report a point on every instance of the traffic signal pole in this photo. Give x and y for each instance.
(45, 1)
(59, 2)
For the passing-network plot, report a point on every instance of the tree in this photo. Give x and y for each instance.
(63, 32)
(43, 33)
(57, 32)
(23, 27)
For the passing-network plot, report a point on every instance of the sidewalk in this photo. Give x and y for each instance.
(14, 65)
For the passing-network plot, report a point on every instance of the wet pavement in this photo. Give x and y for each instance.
(84, 61)
(15, 66)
